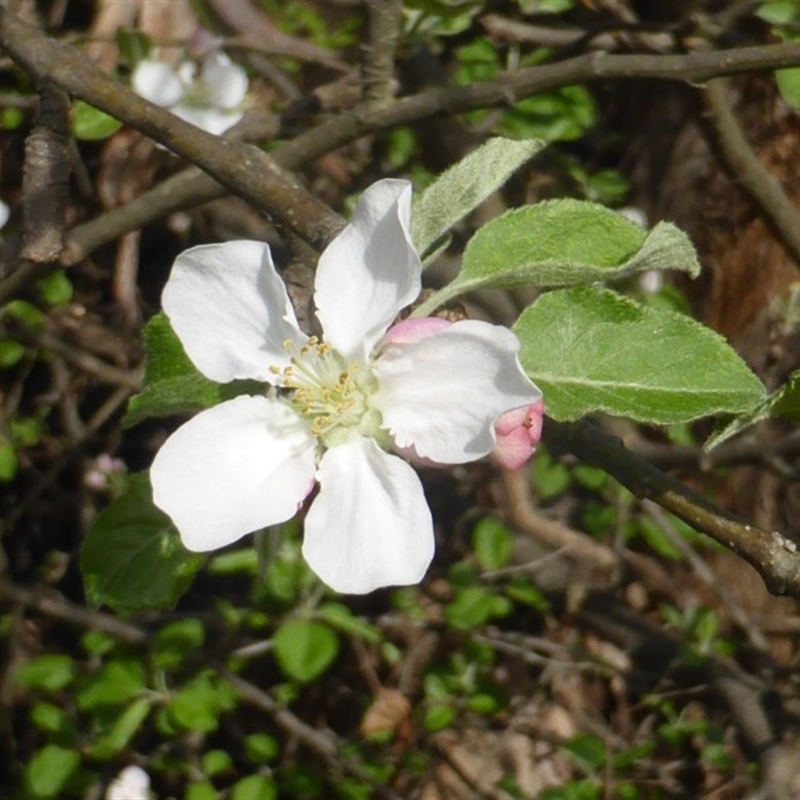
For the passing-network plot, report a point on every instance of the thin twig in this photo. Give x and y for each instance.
(743, 164)
(577, 546)
(50, 602)
(325, 743)
(83, 359)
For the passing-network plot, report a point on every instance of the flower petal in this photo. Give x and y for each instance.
(157, 82)
(443, 394)
(210, 119)
(233, 469)
(369, 272)
(230, 309)
(370, 525)
(412, 329)
(226, 81)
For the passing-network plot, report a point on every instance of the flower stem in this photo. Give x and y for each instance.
(439, 298)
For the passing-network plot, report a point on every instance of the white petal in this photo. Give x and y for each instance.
(370, 525)
(226, 81)
(442, 394)
(210, 119)
(133, 783)
(5, 213)
(369, 272)
(157, 82)
(230, 309)
(233, 469)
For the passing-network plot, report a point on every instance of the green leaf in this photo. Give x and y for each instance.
(56, 289)
(132, 557)
(50, 718)
(492, 543)
(89, 123)
(114, 684)
(177, 640)
(784, 402)
(199, 704)
(658, 541)
(11, 353)
(171, 384)
(789, 85)
(304, 649)
(201, 790)
(591, 349)
(254, 786)
(588, 750)
(217, 762)
(438, 717)
(779, 12)
(339, 616)
(48, 672)
(261, 748)
(49, 770)
(471, 607)
(465, 185)
(522, 591)
(567, 242)
(125, 727)
(134, 46)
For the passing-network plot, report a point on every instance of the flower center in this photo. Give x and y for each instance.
(197, 94)
(332, 394)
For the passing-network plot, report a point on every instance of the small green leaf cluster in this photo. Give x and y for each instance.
(25, 429)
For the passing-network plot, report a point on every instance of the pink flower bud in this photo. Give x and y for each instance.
(518, 432)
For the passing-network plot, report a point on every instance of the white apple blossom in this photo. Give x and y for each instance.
(338, 410)
(212, 99)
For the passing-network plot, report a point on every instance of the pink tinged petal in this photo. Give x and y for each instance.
(369, 272)
(230, 309)
(442, 394)
(233, 469)
(518, 432)
(413, 329)
(370, 525)
(226, 81)
(157, 82)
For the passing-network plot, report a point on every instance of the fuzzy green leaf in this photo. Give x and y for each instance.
(465, 185)
(785, 402)
(591, 349)
(171, 383)
(568, 242)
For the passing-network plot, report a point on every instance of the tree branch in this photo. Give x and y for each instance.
(193, 186)
(742, 163)
(773, 556)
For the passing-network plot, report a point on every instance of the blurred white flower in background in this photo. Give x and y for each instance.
(133, 783)
(212, 98)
